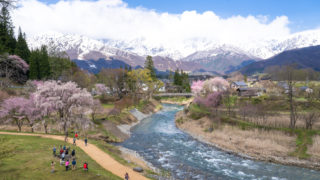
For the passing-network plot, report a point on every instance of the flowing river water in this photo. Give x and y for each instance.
(161, 143)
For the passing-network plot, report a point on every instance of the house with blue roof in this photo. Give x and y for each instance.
(238, 84)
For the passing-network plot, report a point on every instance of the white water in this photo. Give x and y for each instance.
(159, 142)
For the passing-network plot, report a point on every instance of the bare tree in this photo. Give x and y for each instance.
(310, 118)
(95, 109)
(290, 75)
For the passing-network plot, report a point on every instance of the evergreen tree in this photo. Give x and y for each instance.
(39, 64)
(34, 64)
(7, 39)
(177, 78)
(22, 48)
(44, 65)
(149, 65)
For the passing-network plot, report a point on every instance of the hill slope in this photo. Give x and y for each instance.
(308, 57)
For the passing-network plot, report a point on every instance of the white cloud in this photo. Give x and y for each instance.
(113, 19)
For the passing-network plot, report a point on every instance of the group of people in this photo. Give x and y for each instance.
(66, 156)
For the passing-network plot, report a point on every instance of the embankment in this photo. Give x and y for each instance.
(271, 146)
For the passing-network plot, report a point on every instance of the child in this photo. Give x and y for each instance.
(85, 141)
(74, 141)
(52, 166)
(85, 166)
(73, 153)
(76, 135)
(54, 151)
(67, 165)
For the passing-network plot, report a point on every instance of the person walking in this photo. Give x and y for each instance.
(54, 150)
(67, 165)
(76, 135)
(74, 141)
(86, 141)
(74, 162)
(73, 153)
(126, 176)
(52, 166)
(64, 147)
(66, 138)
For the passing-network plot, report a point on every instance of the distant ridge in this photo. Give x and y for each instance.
(308, 57)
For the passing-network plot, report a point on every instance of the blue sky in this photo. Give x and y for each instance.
(302, 14)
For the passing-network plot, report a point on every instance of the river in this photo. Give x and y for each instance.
(161, 143)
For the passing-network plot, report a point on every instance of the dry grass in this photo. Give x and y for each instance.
(255, 143)
(314, 150)
(259, 142)
(279, 121)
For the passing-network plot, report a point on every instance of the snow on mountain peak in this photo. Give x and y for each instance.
(80, 47)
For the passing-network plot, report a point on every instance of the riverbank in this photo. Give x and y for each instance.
(138, 114)
(270, 146)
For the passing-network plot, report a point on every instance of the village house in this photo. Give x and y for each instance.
(306, 89)
(238, 84)
(250, 92)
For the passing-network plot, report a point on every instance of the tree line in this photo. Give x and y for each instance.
(43, 62)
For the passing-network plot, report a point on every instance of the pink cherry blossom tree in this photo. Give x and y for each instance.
(216, 84)
(31, 111)
(101, 89)
(13, 110)
(65, 98)
(212, 100)
(197, 87)
(14, 68)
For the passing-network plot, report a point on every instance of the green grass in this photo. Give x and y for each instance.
(113, 151)
(108, 106)
(32, 156)
(141, 105)
(197, 112)
(304, 139)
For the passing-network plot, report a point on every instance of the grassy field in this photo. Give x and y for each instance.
(24, 157)
(108, 106)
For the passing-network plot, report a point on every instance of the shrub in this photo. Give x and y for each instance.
(197, 112)
(104, 99)
(114, 112)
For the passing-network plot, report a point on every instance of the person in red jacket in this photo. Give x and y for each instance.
(76, 135)
(85, 166)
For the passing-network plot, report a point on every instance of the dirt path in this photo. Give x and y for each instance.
(102, 158)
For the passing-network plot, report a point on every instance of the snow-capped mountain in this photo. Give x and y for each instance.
(191, 54)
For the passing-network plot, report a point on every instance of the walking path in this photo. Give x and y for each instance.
(102, 158)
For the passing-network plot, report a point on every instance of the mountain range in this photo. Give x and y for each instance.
(308, 57)
(193, 55)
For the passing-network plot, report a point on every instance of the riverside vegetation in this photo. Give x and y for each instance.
(281, 126)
